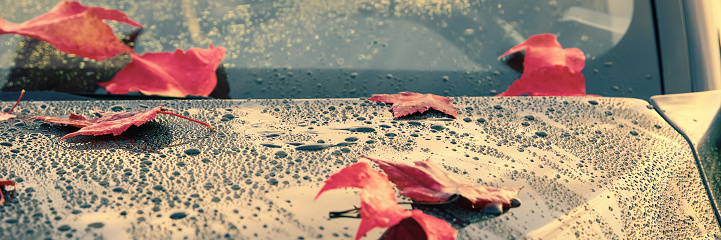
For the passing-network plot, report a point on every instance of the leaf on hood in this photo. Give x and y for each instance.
(427, 183)
(175, 74)
(110, 123)
(405, 103)
(548, 69)
(75, 29)
(4, 183)
(379, 207)
(420, 226)
(6, 116)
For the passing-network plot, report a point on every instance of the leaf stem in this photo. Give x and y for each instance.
(16, 103)
(341, 214)
(187, 118)
(451, 199)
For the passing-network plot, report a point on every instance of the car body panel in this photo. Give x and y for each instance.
(696, 117)
(591, 167)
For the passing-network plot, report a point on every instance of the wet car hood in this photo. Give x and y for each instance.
(696, 117)
(590, 168)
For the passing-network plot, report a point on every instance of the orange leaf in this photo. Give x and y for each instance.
(110, 123)
(548, 69)
(174, 74)
(6, 116)
(3, 184)
(379, 207)
(405, 103)
(75, 29)
(427, 183)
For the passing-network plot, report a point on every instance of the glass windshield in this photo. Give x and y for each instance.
(353, 48)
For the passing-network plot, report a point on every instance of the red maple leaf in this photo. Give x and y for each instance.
(110, 123)
(379, 207)
(427, 183)
(420, 226)
(6, 116)
(548, 69)
(4, 183)
(174, 74)
(75, 29)
(405, 103)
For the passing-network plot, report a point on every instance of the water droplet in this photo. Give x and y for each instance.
(192, 151)
(273, 181)
(515, 202)
(63, 228)
(270, 145)
(96, 225)
(361, 129)
(117, 108)
(312, 147)
(493, 209)
(178, 215)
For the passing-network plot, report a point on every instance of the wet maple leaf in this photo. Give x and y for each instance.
(174, 74)
(405, 103)
(427, 183)
(420, 226)
(4, 183)
(110, 123)
(548, 69)
(379, 207)
(75, 29)
(6, 116)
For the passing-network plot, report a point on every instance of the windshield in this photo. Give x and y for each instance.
(340, 49)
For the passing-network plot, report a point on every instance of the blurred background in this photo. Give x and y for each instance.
(354, 48)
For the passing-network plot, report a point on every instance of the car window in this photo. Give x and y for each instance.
(320, 49)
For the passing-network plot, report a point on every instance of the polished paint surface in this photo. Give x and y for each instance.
(590, 167)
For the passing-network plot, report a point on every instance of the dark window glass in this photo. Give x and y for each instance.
(355, 48)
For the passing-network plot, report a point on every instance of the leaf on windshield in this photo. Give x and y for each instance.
(548, 69)
(379, 207)
(5, 183)
(427, 183)
(175, 74)
(6, 116)
(75, 29)
(405, 103)
(110, 123)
